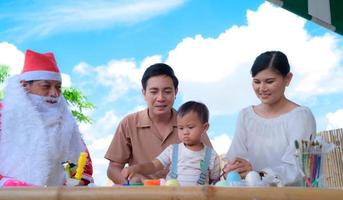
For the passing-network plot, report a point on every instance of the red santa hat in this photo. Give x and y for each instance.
(39, 66)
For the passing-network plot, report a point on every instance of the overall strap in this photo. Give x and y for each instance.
(204, 166)
(175, 154)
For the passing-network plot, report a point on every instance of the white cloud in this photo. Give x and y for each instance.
(97, 149)
(206, 60)
(221, 143)
(117, 72)
(334, 120)
(102, 127)
(217, 70)
(66, 80)
(98, 137)
(82, 15)
(119, 76)
(222, 97)
(82, 68)
(11, 57)
(150, 60)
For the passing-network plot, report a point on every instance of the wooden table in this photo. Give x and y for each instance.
(159, 193)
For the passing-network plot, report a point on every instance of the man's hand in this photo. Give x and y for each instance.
(239, 165)
(129, 172)
(114, 173)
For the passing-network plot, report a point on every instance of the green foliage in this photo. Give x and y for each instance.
(79, 103)
(73, 96)
(3, 76)
(3, 73)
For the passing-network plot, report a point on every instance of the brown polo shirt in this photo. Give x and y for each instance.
(137, 140)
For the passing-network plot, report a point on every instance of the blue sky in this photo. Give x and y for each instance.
(103, 47)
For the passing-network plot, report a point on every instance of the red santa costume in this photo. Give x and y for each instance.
(35, 139)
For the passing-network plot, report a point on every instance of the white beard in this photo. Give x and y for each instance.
(38, 141)
(52, 119)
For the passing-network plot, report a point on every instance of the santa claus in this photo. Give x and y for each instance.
(37, 130)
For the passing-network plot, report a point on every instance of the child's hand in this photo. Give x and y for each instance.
(129, 172)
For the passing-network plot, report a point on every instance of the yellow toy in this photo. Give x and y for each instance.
(81, 165)
(172, 182)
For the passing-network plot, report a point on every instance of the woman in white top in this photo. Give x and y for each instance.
(265, 133)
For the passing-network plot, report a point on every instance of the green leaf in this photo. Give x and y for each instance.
(75, 98)
(4, 73)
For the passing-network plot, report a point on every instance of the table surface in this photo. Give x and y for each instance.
(164, 192)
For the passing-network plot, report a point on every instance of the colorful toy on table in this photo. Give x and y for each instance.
(11, 182)
(69, 170)
(253, 179)
(221, 183)
(81, 165)
(309, 156)
(233, 179)
(269, 179)
(133, 184)
(161, 182)
(128, 183)
(172, 183)
(68, 166)
(152, 182)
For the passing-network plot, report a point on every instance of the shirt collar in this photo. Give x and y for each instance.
(145, 121)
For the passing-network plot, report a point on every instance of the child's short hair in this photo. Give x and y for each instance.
(197, 107)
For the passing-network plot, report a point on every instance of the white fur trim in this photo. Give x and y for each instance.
(40, 75)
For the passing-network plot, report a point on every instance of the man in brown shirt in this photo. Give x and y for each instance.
(143, 135)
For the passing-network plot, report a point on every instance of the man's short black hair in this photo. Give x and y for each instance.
(157, 70)
(199, 108)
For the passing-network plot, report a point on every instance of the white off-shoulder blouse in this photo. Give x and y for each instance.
(268, 143)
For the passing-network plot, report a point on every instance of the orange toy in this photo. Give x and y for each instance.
(152, 182)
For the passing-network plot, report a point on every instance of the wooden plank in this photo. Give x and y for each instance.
(159, 193)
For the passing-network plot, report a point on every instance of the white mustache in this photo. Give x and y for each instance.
(51, 100)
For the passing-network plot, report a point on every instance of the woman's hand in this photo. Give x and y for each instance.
(239, 165)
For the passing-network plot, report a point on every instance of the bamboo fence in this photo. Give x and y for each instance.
(333, 161)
